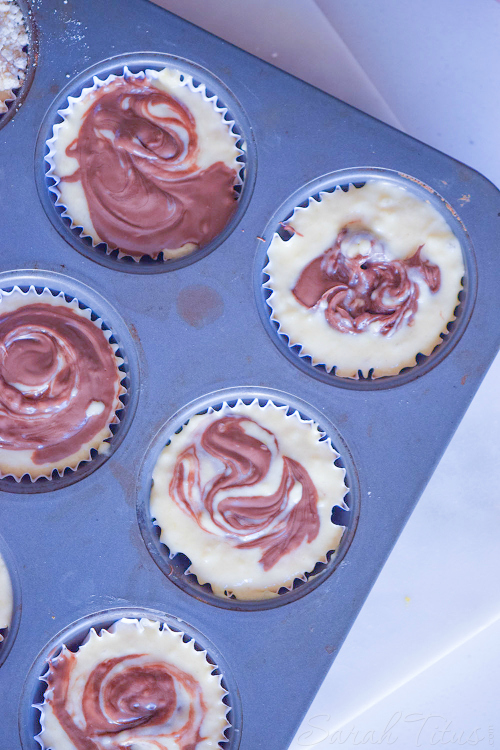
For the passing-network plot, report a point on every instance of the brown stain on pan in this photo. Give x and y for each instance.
(418, 182)
(199, 305)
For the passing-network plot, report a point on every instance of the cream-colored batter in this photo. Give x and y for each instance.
(402, 222)
(6, 597)
(17, 463)
(216, 143)
(139, 645)
(210, 542)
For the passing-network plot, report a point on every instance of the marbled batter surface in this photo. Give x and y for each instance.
(147, 165)
(60, 385)
(136, 685)
(247, 493)
(392, 233)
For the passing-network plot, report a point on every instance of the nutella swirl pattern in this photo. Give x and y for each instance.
(367, 279)
(138, 153)
(108, 696)
(358, 291)
(59, 382)
(273, 523)
(246, 493)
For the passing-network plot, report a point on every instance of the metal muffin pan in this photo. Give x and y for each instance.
(79, 552)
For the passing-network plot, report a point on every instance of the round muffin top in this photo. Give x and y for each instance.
(59, 383)
(147, 164)
(369, 279)
(246, 493)
(137, 684)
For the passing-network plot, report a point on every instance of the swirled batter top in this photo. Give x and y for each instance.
(247, 494)
(6, 601)
(369, 279)
(146, 164)
(135, 685)
(59, 384)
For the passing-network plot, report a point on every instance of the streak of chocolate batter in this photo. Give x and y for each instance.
(363, 289)
(139, 695)
(246, 462)
(137, 149)
(53, 364)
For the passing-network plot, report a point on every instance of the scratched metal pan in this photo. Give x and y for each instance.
(85, 553)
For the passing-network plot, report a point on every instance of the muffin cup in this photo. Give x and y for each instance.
(189, 560)
(19, 63)
(13, 98)
(377, 360)
(10, 600)
(21, 469)
(6, 600)
(217, 135)
(145, 645)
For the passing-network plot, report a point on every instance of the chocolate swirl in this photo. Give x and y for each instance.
(54, 364)
(137, 150)
(363, 289)
(125, 699)
(273, 522)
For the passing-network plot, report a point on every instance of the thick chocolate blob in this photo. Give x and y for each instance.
(364, 289)
(54, 364)
(277, 524)
(137, 150)
(126, 693)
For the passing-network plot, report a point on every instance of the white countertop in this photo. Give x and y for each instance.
(419, 667)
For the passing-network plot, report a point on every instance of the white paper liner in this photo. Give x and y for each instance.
(402, 222)
(13, 58)
(213, 554)
(18, 463)
(176, 83)
(6, 597)
(155, 643)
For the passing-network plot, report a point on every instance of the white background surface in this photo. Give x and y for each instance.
(420, 668)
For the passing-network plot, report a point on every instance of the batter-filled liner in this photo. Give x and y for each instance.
(246, 493)
(364, 280)
(138, 680)
(13, 53)
(172, 173)
(6, 601)
(65, 351)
